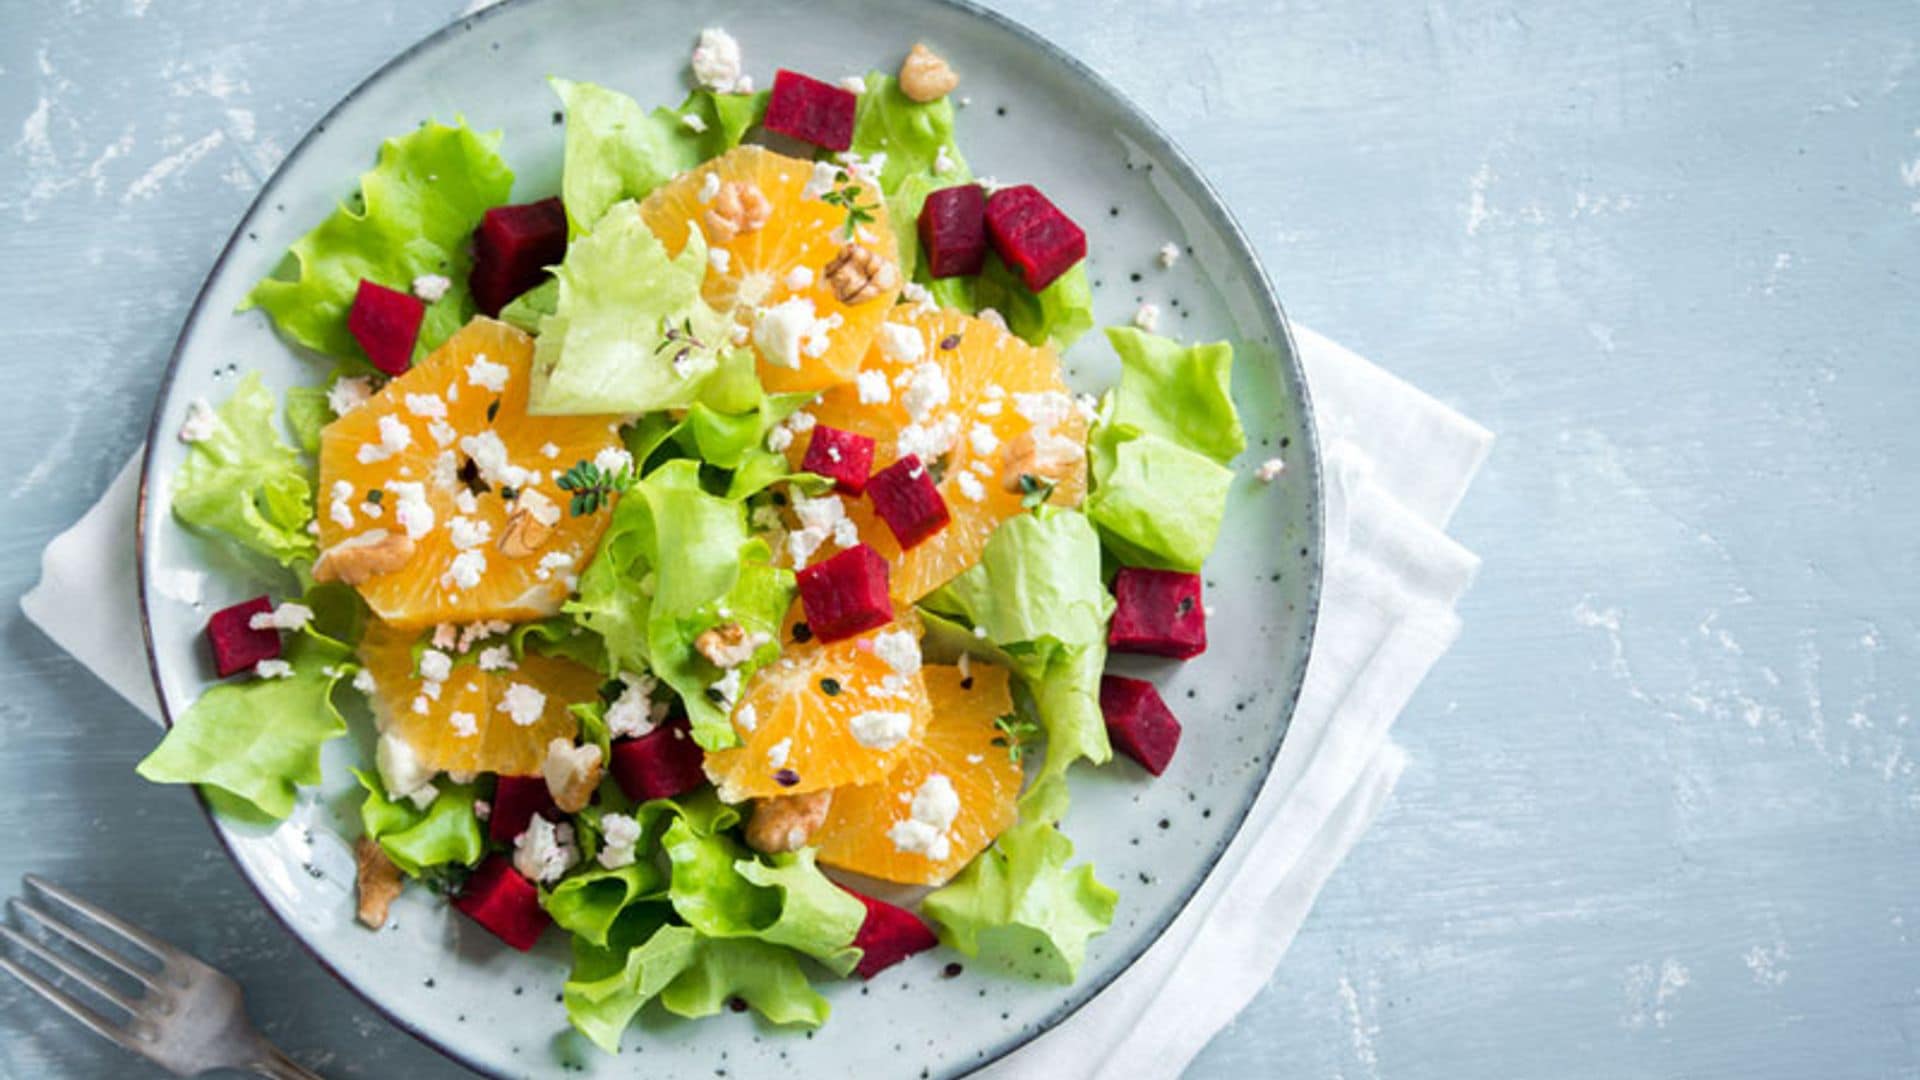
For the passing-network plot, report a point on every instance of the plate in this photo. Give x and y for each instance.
(1033, 114)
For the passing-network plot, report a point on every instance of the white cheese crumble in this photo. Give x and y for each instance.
(200, 422)
(777, 753)
(363, 682)
(942, 161)
(694, 122)
(820, 520)
(927, 390)
(928, 441)
(427, 406)
(551, 562)
(466, 725)
(497, 658)
(747, 719)
(619, 833)
(523, 704)
(441, 431)
(489, 455)
(899, 649)
(716, 60)
(971, 487)
(924, 832)
(825, 175)
(799, 278)
(273, 669)
(782, 329)
(287, 616)
(853, 84)
(545, 851)
(1147, 317)
(435, 665)
(719, 259)
(346, 395)
(710, 187)
(983, 440)
(486, 374)
(549, 451)
(633, 713)
(411, 510)
(1044, 409)
(879, 729)
(1169, 254)
(401, 771)
(728, 685)
(1270, 470)
(394, 437)
(872, 387)
(465, 571)
(431, 287)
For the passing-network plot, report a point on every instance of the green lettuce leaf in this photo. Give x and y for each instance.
(629, 332)
(1157, 452)
(616, 150)
(587, 904)
(307, 413)
(1037, 595)
(525, 311)
(446, 832)
(413, 215)
(1056, 315)
(912, 135)
(723, 892)
(244, 483)
(1021, 902)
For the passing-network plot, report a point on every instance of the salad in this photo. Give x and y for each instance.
(727, 569)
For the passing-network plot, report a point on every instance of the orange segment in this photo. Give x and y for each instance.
(824, 716)
(466, 403)
(785, 258)
(863, 832)
(996, 385)
(472, 725)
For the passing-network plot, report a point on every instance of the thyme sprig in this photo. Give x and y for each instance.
(1016, 735)
(1034, 491)
(846, 195)
(593, 486)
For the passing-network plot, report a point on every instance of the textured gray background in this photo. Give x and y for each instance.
(1662, 817)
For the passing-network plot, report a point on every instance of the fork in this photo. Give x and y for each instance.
(186, 1017)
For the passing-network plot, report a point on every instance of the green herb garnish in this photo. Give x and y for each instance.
(847, 197)
(1017, 735)
(1034, 491)
(593, 486)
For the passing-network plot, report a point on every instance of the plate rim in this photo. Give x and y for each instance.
(1078, 994)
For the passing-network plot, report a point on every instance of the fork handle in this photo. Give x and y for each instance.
(278, 1066)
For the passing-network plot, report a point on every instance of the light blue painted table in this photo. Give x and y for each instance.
(1663, 817)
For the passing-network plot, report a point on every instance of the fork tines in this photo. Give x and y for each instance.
(123, 984)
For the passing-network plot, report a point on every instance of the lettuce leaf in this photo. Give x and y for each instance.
(1037, 595)
(587, 904)
(1157, 452)
(629, 332)
(446, 832)
(912, 135)
(413, 215)
(721, 890)
(525, 311)
(307, 413)
(1056, 315)
(616, 150)
(1020, 901)
(243, 482)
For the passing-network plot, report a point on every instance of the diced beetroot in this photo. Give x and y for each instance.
(811, 111)
(1033, 235)
(953, 230)
(1138, 722)
(1158, 612)
(236, 644)
(498, 898)
(889, 935)
(386, 323)
(513, 248)
(516, 799)
(845, 457)
(846, 595)
(661, 764)
(904, 496)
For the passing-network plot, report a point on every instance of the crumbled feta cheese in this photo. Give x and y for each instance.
(778, 752)
(346, 395)
(942, 161)
(1169, 254)
(445, 635)
(442, 432)
(716, 60)
(820, 519)
(486, 374)
(983, 440)
(728, 685)
(619, 833)
(445, 474)
(545, 851)
(900, 649)
(497, 658)
(709, 186)
(466, 502)
(372, 509)
(1147, 317)
(719, 259)
(552, 561)
(694, 122)
(435, 665)
(401, 771)
(747, 718)
(549, 451)
(926, 390)
(466, 725)
(781, 329)
(928, 441)
(287, 616)
(431, 287)
(523, 704)
(971, 487)
(633, 713)
(489, 456)
(799, 278)
(466, 570)
(853, 84)
(924, 831)
(539, 507)
(411, 510)
(200, 422)
(780, 438)
(427, 406)
(1044, 409)
(873, 388)
(363, 682)
(825, 175)
(273, 669)
(394, 437)
(1270, 470)
(802, 422)
(989, 409)
(880, 730)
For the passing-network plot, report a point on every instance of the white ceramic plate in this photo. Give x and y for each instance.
(1035, 115)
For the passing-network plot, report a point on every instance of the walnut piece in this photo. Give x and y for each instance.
(358, 558)
(925, 76)
(787, 822)
(859, 274)
(738, 209)
(377, 881)
(572, 773)
(1045, 456)
(728, 645)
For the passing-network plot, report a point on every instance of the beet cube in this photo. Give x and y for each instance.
(846, 595)
(513, 248)
(811, 111)
(236, 644)
(953, 230)
(889, 935)
(516, 799)
(1158, 612)
(904, 496)
(661, 764)
(508, 905)
(844, 457)
(1033, 235)
(386, 323)
(1138, 722)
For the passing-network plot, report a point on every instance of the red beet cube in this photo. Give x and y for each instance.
(498, 898)
(844, 457)
(1033, 235)
(1158, 612)
(811, 111)
(236, 644)
(1138, 722)
(953, 230)
(889, 935)
(516, 799)
(661, 764)
(904, 496)
(846, 595)
(386, 323)
(513, 248)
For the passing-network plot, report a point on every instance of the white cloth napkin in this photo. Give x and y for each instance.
(1396, 463)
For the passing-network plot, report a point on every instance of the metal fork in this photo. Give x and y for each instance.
(184, 1016)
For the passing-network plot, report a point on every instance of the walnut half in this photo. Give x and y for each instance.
(858, 274)
(572, 773)
(738, 209)
(358, 558)
(376, 880)
(787, 822)
(925, 76)
(728, 645)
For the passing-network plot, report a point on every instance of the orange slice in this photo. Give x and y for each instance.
(782, 260)
(464, 408)
(474, 722)
(996, 387)
(823, 716)
(869, 829)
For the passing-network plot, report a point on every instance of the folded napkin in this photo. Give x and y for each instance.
(1396, 463)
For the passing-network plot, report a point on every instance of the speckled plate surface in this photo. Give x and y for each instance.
(1034, 115)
